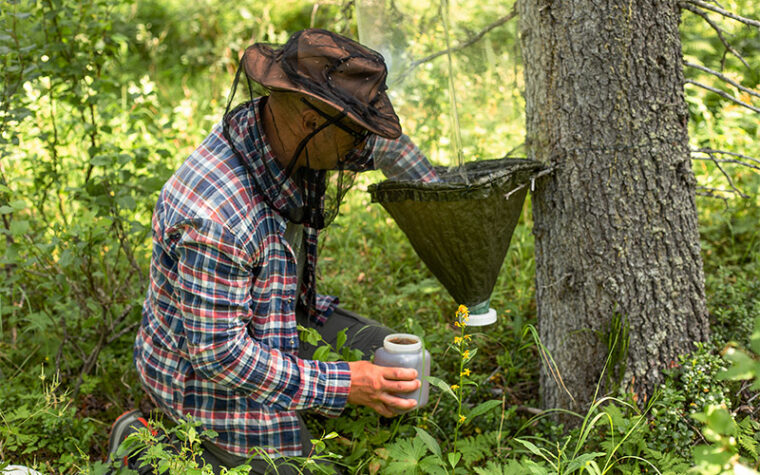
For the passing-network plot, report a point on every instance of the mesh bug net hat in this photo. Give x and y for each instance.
(334, 69)
(347, 77)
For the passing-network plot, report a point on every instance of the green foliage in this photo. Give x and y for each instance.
(38, 423)
(101, 99)
(325, 351)
(178, 449)
(689, 388)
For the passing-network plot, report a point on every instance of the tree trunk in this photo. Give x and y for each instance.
(615, 224)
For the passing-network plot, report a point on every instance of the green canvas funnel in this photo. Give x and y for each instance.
(461, 228)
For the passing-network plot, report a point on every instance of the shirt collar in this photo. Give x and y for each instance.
(247, 134)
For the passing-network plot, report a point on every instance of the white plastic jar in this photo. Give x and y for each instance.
(406, 351)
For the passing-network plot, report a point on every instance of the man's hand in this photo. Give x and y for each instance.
(373, 386)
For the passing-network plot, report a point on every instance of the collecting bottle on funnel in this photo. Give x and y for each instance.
(406, 351)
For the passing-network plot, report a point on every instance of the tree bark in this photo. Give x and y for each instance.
(615, 224)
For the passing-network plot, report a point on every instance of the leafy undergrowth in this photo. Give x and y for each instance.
(99, 103)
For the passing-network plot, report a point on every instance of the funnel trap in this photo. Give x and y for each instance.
(462, 225)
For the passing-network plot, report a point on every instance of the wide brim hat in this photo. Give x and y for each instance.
(336, 70)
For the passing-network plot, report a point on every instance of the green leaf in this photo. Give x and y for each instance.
(720, 420)
(126, 202)
(310, 335)
(743, 366)
(482, 408)
(454, 458)
(322, 353)
(441, 384)
(19, 227)
(341, 339)
(531, 447)
(582, 460)
(101, 160)
(710, 456)
(428, 439)
(754, 341)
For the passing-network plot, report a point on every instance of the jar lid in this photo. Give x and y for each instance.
(402, 343)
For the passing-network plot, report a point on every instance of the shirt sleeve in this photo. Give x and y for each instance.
(215, 276)
(401, 159)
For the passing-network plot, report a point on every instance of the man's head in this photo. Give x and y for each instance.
(305, 132)
(327, 94)
(334, 70)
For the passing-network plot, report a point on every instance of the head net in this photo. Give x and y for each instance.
(322, 191)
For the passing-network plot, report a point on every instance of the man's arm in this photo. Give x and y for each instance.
(215, 284)
(215, 281)
(401, 159)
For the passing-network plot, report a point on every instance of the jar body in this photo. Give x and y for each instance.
(394, 355)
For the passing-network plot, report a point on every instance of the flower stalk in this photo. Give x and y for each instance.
(460, 345)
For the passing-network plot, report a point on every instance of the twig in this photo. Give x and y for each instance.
(116, 323)
(711, 156)
(469, 42)
(722, 77)
(723, 94)
(715, 190)
(725, 13)
(709, 151)
(718, 31)
(123, 332)
(531, 180)
(730, 180)
(709, 194)
(512, 192)
(729, 161)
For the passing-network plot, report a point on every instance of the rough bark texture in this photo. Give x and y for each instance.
(616, 223)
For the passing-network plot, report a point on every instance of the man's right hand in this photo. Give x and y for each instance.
(374, 386)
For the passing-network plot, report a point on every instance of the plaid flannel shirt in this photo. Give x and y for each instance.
(218, 336)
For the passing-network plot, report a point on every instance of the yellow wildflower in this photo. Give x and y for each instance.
(466, 372)
(468, 337)
(462, 418)
(457, 340)
(456, 323)
(454, 387)
(466, 354)
(463, 309)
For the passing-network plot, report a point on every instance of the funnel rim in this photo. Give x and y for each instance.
(499, 177)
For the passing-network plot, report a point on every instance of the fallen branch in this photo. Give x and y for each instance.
(723, 94)
(718, 31)
(723, 78)
(725, 13)
(469, 42)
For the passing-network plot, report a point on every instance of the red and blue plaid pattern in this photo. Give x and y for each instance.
(218, 338)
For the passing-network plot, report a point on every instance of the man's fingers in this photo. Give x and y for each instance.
(397, 402)
(399, 374)
(384, 410)
(401, 386)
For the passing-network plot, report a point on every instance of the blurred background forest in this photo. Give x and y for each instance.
(100, 100)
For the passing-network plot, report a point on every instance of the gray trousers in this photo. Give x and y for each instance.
(363, 334)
